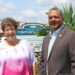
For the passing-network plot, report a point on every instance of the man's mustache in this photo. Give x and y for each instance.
(53, 22)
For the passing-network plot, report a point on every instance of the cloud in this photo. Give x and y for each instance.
(23, 14)
(29, 13)
(51, 2)
(4, 12)
(8, 5)
(43, 2)
(7, 9)
(32, 16)
(61, 1)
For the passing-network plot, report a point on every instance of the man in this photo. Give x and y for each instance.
(58, 49)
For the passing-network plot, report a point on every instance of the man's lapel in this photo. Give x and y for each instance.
(46, 45)
(58, 39)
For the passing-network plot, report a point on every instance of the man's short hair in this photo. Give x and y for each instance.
(55, 8)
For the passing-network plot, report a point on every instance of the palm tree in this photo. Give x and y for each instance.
(69, 17)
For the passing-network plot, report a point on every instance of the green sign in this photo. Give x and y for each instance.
(28, 29)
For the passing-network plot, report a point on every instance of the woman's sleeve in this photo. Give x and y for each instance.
(32, 55)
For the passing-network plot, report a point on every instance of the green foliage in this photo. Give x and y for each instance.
(38, 60)
(38, 57)
(69, 17)
(71, 27)
(44, 30)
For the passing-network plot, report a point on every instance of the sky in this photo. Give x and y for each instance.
(26, 11)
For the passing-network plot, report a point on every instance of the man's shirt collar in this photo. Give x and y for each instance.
(55, 33)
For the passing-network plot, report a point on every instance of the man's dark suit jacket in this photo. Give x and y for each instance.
(61, 60)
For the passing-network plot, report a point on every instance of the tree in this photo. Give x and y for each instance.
(69, 17)
(44, 30)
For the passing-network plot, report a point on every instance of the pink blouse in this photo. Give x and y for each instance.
(16, 60)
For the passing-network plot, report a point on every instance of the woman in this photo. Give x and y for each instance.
(16, 55)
